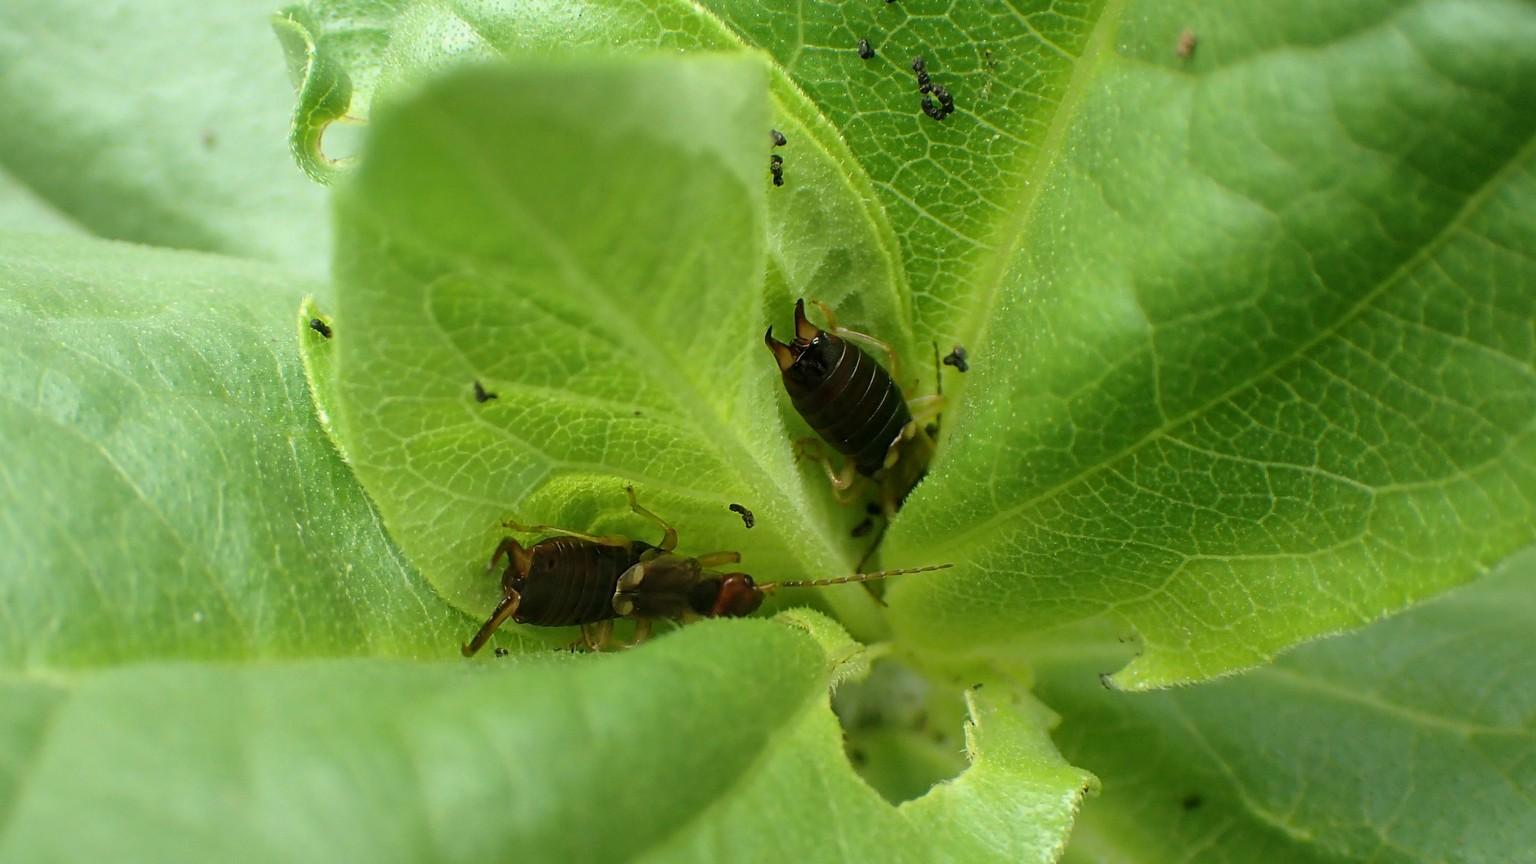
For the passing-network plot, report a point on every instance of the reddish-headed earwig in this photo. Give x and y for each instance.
(855, 406)
(581, 579)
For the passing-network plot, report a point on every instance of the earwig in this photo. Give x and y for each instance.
(855, 406)
(581, 579)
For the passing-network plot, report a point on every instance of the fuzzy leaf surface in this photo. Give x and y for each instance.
(1411, 741)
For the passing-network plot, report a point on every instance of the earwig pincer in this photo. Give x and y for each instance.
(581, 579)
(855, 406)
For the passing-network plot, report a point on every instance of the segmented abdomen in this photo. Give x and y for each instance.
(848, 399)
(571, 581)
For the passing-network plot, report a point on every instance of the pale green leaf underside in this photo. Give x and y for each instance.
(161, 122)
(173, 494)
(546, 757)
(1411, 742)
(585, 240)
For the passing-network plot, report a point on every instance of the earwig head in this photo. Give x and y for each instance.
(739, 596)
(806, 333)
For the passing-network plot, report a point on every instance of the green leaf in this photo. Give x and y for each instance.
(161, 122)
(1409, 741)
(170, 494)
(546, 757)
(1261, 367)
(23, 212)
(1245, 324)
(584, 240)
(324, 91)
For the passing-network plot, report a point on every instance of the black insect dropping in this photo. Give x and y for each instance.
(1192, 801)
(747, 518)
(932, 110)
(482, 394)
(320, 327)
(776, 168)
(946, 101)
(865, 51)
(924, 85)
(502, 652)
(957, 359)
(777, 137)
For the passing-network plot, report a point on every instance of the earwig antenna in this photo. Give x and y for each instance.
(857, 577)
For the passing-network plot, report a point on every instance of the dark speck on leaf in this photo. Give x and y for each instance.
(862, 528)
(855, 755)
(865, 51)
(1187, 43)
(957, 359)
(482, 394)
(1192, 800)
(777, 137)
(931, 109)
(747, 518)
(320, 327)
(976, 686)
(502, 652)
(921, 68)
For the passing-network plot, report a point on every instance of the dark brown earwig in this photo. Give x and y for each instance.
(855, 406)
(581, 579)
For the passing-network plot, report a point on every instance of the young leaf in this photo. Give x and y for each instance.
(1408, 741)
(583, 239)
(1213, 269)
(161, 122)
(172, 495)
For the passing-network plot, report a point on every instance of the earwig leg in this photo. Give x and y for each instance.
(509, 547)
(669, 534)
(597, 635)
(504, 610)
(642, 632)
(604, 540)
(925, 408)
(715, 559)
(841, 480)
